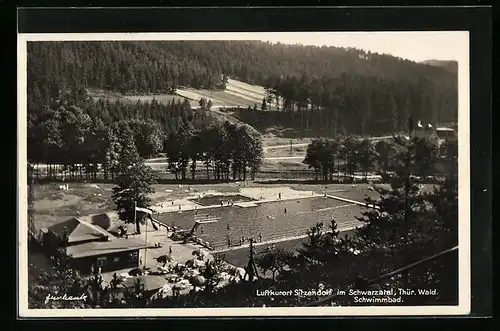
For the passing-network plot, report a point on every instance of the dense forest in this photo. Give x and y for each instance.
(84, 137)
(359, 91)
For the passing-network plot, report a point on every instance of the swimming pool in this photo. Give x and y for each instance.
(269, 219)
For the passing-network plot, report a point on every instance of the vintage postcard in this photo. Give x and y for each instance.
(244, 174)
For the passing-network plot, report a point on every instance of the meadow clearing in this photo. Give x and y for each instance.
(236, 94)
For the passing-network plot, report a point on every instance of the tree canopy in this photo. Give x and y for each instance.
(349, 89)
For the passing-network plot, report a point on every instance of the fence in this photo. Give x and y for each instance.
(60, 173)
(290, 234)
(293, 234)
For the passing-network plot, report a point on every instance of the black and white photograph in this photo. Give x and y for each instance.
(261, 173)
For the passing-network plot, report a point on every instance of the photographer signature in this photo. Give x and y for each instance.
(65, 297)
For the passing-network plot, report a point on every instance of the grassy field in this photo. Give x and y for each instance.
(269, 139)
(161, 98)
(53, 205)
(285, 151)
(219, 99)
(237, 94)
(113, 96)
(283, 166)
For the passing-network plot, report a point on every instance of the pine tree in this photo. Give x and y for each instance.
(202, 103)
(394, 112)
(263, 107)
(111, 153)
(133, 185)
(209, 105)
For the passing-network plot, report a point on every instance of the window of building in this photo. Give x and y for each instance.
(133, 255)
(101, 261)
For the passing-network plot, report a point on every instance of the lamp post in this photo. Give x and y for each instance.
(251, 269)
(146, 240)
(135, 212)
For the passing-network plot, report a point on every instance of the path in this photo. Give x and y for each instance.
(279, 158)
(286, 146)
(307, 144)
(162, 162)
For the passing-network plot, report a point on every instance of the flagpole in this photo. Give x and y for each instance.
(135, 214)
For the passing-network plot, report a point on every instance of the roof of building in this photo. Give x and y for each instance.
(94, 248)
(80, 230)
(150, 282)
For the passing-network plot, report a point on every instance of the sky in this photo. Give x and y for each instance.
(415, 46)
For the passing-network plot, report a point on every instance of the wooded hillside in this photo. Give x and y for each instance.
(352, 88)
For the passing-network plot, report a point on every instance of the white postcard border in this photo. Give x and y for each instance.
(463, 307)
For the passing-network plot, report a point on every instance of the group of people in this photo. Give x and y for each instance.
(230, 203)
(242, 238)
(270, 247)
(242, 241)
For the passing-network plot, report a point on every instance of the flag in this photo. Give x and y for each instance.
(144, 210)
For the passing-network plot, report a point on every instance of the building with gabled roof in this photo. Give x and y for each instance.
(439, 134)
(90, 247)
(80, 231)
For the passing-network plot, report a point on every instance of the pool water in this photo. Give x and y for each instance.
(268, 219)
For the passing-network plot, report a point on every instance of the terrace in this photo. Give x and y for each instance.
(218, 199)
